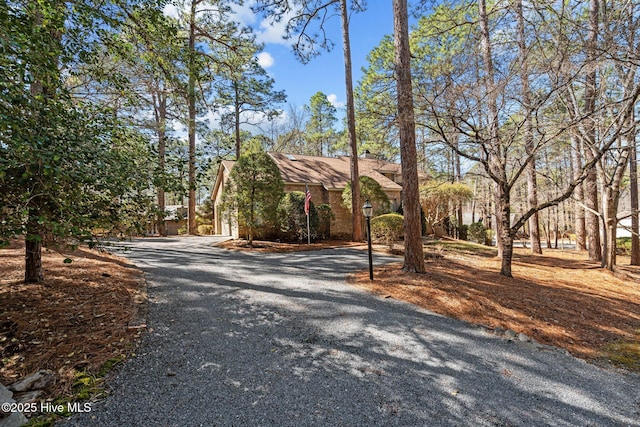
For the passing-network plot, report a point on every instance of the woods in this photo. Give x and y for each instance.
(109, 110)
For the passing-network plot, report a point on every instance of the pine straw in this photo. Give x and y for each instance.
(557, 298)
(84, 314)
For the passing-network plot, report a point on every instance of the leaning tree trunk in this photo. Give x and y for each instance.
(356, 217)
(413, 250)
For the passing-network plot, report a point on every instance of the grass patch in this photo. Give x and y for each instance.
(87, 387)
(624, 353)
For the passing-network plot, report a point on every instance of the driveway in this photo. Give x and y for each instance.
(281, 340)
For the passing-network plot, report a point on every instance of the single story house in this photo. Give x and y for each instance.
(326, 177)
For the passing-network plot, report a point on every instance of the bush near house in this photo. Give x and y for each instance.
(387, 228)
(369, 190)
(293, 220)
(325, 218)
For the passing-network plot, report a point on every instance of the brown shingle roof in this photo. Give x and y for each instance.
(331, 172)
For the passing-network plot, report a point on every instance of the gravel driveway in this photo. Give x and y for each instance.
(280, 340)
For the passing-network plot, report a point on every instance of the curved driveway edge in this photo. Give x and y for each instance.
(280, 340)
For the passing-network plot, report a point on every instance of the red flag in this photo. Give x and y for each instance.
(307, 200)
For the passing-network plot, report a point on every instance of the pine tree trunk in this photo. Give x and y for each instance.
(590, 183)
(532, 186)
(161, 120)
(236, 116)
(33, 250)
(505, 235)
(413, 250)
(356, 216)
(633, 182)
(610, 224)
(580, 224)
(192, 225)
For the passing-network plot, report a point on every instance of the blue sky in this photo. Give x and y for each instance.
(324, 73)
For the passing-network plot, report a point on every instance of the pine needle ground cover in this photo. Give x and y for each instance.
(84, 316)
(557, 298)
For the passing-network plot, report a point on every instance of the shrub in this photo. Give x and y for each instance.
(292, 219)
(387, 228)
(370, 190)
(205, 229)
(477, 233)
(623, 245)
(325, 219)
(463, 232)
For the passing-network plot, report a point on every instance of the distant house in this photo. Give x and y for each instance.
(175, 218)
(326, 177)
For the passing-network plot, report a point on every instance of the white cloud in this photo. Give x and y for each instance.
(170, 10)
(271, 31)
(333, 100)
(243, 13)
(265, 60)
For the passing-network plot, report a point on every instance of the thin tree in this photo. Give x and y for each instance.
(532, 188)
(413, 250)
(589, 137)
(306, 46)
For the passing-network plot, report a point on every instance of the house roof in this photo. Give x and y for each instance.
(331, 172)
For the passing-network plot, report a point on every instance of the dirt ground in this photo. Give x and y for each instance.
(87, 312)
(91, 311)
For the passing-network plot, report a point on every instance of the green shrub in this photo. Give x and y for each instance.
(463, 232)
(205, 229)
(477, 233)
(387, 228)
(325, 219)
(623, 245)
(292, 219)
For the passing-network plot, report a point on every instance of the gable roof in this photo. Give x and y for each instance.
(331, 172)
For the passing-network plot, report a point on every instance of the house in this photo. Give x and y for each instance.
(326, 177)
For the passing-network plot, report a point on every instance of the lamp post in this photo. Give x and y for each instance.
(367, 211)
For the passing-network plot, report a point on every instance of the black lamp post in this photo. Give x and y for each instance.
(367, 211)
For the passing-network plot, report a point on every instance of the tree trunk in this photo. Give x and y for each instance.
(413, 250)
(33, 237)
(591, 183)
(611, 209)
(33, 250)
(192, 225)
(356, 217)
(161, 120)
(580, 224)
(237, 119)
(532, 187)
(506, 236)
(496, 165)
(633, 182)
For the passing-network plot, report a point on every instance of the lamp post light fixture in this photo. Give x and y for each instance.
(367, 211)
